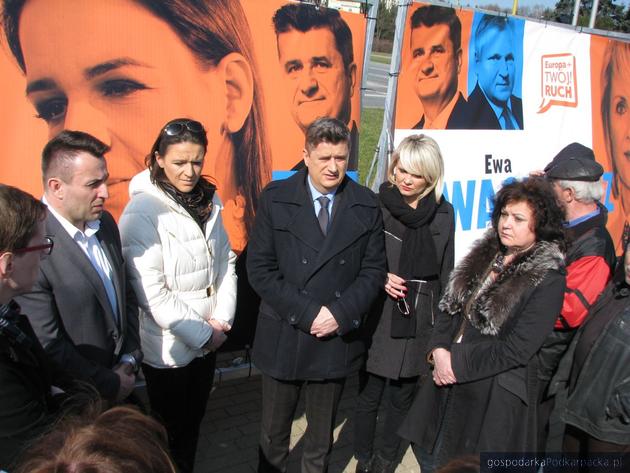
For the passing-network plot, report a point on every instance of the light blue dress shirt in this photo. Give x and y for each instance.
(315, 194)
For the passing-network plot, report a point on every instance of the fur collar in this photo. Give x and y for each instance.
(495, 302)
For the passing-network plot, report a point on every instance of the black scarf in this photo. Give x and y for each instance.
(197, 202)
(9, 328)
(418, 258)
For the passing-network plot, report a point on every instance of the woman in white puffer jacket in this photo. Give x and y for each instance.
(182, 270)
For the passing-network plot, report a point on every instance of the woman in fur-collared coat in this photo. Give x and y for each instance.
(500, 303)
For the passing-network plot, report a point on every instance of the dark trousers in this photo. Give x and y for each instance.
(178, 398)
(279, 402)
(429, 462)
(578, 441)
(545, 432)
(400, 396)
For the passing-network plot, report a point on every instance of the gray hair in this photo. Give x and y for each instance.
(585, 191)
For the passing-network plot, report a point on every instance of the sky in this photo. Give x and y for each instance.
(508, 3)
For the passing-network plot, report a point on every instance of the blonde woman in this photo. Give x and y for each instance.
(616, 121)
(419, 235)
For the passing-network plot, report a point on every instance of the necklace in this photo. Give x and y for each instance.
(498, 265)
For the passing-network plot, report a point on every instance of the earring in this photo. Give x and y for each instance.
(223, 130)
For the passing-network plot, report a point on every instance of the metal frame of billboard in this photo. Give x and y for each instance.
(380, 161)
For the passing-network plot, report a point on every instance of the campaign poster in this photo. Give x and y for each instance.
(610, 93)
(501, 96)
(121, 69)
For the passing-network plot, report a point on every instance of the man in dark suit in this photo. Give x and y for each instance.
(317, 259)
(81, 307)
(317, 60)
(491, 105)
(436, 37)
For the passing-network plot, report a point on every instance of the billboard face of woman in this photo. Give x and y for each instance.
(619, 123)
(112, 69)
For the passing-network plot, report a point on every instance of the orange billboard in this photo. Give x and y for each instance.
(254, 73)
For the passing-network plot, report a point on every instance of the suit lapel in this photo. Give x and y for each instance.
(118, 269)
(345, 227)
(117, 276)
(73, 257)
(304, 225)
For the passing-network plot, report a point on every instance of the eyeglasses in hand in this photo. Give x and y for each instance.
(413, 285)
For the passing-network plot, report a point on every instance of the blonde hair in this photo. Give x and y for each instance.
(616, 59)
(420, 155)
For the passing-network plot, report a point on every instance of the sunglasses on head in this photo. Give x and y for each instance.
(177, 128)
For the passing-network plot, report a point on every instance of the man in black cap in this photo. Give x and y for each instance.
(576, 179)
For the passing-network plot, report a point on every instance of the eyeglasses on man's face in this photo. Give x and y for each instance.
(46, 248)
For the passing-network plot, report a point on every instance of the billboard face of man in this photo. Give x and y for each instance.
(495, 64)
(437, 63)
(318, 83)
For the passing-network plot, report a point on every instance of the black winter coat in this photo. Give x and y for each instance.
(599, 401)
(26, 404)
(492, 407)
(395, 358)
(296, 271)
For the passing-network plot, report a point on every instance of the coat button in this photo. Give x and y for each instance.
(292, 318)
(342, 261)
(337, 294)
(355, 323)
(304, 261)
(304, 291)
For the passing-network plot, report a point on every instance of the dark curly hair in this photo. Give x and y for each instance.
(538, 193)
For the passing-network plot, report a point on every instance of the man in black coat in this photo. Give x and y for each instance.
(491, 105)
(26, 373)
(317, 259)
(591, 383)
(590, 259)
(82, 308)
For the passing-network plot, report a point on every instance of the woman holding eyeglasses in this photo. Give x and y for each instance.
(419, 236)
(500, 304)
(182, 270)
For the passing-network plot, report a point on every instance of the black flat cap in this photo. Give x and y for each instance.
(575, 162)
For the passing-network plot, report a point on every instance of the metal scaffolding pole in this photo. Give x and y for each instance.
(576, 12)
(591, 22)
(386, 140)
(369, 39)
